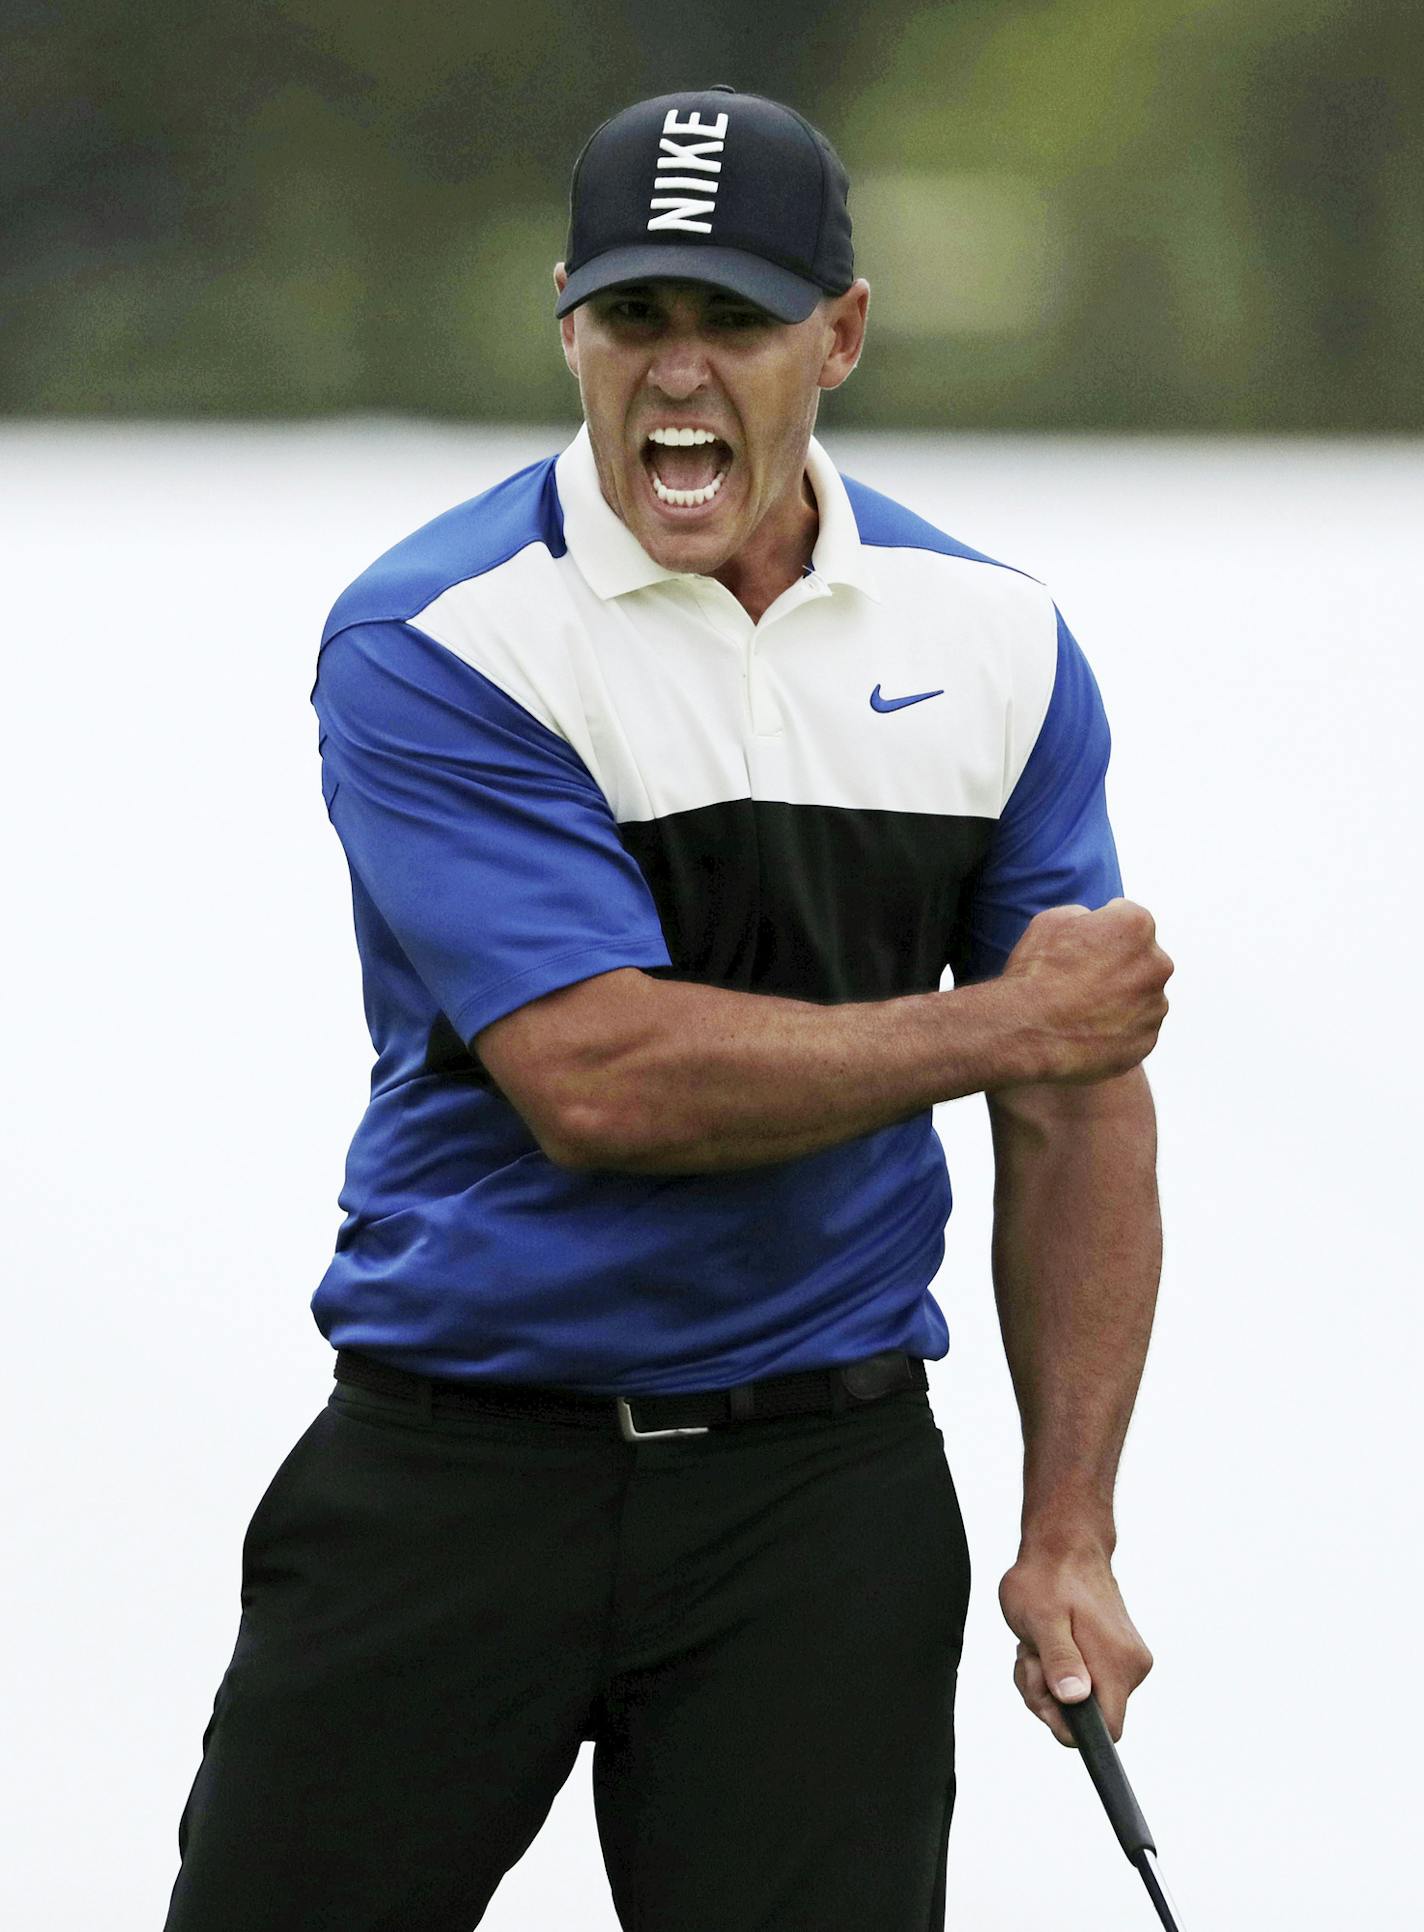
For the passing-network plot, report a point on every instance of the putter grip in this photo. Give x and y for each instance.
(1090, 1734)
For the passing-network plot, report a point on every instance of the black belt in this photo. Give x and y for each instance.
(641, 1417)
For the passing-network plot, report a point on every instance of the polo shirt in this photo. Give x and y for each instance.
(547, 757)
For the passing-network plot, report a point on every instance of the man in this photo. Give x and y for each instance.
(671, 775)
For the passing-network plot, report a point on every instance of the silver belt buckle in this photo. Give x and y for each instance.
(631, 1434)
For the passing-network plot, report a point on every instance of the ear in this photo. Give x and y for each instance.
(845, 319)
(566, 322)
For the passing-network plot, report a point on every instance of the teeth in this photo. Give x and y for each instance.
(687, 497)
(681, 438)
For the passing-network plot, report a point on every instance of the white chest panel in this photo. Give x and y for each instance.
(674, 699)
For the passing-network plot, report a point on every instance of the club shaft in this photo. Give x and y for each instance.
(1157, 1891)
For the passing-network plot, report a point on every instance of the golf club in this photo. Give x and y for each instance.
(1090, 1734)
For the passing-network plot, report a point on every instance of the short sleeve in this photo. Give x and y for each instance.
(479, 834)
(1052, 844)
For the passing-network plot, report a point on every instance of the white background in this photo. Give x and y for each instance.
(186, 1060)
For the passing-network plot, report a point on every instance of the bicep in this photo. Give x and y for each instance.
(479, 836)
(544, 1055)
(1052, 844)
(1035, 1112)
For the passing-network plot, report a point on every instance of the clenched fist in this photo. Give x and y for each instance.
(1089, 989)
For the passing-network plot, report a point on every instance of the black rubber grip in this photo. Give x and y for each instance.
(1099, 1753)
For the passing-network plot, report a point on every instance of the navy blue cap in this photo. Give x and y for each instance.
(727, 189)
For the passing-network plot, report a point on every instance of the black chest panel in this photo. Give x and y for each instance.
(813, 902)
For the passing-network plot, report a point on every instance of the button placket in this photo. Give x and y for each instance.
(727, 615)
(767, 718)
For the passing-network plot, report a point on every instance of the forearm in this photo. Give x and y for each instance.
(710, 1080)
(1077, 1254)
(661, 1076)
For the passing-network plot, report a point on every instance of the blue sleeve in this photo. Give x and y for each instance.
(1052, 845)
(479, 834)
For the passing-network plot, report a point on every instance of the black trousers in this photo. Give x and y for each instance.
(759, 1629)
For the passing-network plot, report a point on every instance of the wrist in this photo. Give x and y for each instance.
(1065, 1529)
(1018, 1048)
(1059, 1543)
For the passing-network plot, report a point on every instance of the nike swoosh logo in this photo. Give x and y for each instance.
(877, 703)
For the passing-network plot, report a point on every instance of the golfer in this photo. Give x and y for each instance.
(672, 774)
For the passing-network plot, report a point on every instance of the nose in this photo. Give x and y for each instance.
(678, 368)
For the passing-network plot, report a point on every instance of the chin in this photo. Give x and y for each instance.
(702, 551)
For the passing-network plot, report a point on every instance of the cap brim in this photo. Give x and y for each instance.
(790, 298)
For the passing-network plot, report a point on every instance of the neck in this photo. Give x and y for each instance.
(776, 555)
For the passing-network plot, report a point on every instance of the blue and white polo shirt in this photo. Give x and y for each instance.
(547, 757)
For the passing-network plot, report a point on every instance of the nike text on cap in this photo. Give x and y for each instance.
(716, 187)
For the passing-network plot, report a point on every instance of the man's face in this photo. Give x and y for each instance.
(657, 358)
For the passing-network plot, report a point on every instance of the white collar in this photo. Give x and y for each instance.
(614, 562)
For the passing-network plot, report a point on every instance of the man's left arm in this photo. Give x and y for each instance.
(1077, 1253)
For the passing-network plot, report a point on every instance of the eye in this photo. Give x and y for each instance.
(630, 308)
(740, 318)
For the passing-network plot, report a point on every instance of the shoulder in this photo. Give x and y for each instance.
(928, 570)
(470, 540)
(977, 602)
(885, 524)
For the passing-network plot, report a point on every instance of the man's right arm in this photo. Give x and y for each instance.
(623, 1071)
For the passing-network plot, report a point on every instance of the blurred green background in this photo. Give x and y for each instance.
(1073, 214)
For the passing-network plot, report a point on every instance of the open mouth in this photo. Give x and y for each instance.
(686, 466)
